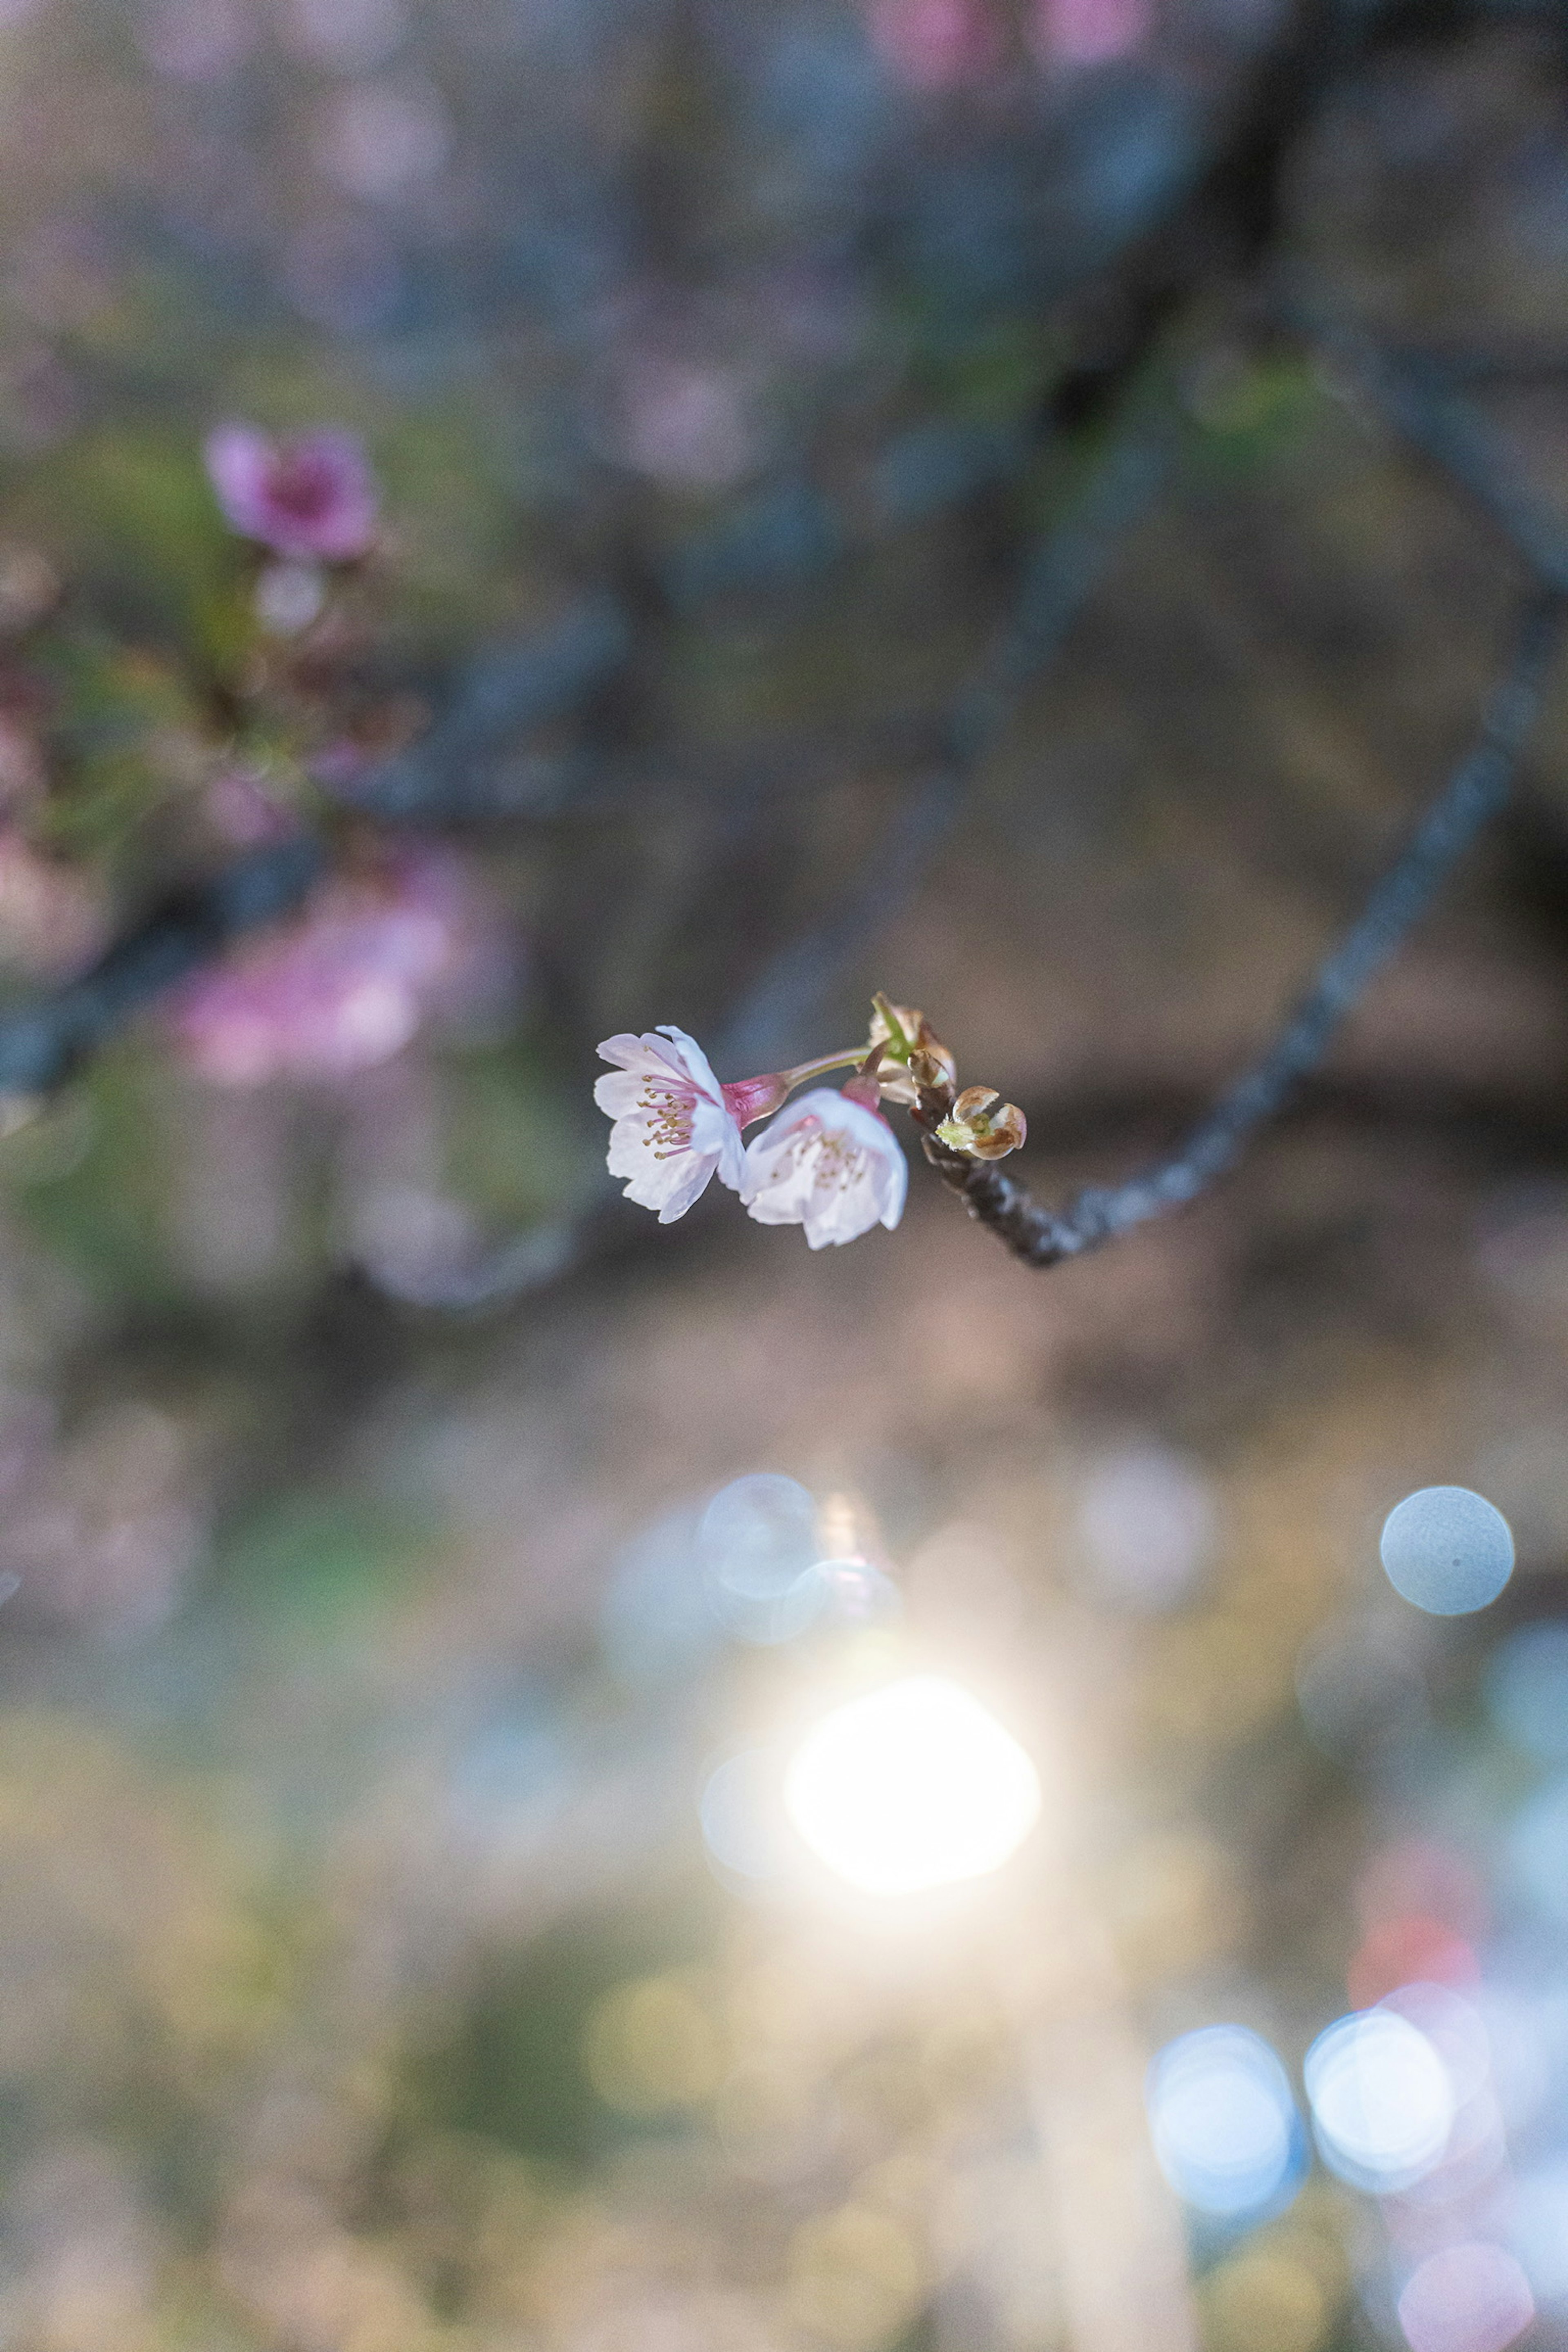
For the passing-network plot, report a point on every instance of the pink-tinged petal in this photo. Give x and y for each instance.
(673, 1129)
(309, 498)
(618, 1093)
(895, 1190)
(681, 1063)
(715, 1135)
(238, 459)
(690, 1060)
(651, 1181)
(829, 1165)
(630, 1052)
(695, 1179)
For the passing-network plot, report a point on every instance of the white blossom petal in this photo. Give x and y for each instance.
(673, 1131)
(829, 1165)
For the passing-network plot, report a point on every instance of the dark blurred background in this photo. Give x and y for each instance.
(1014, 505)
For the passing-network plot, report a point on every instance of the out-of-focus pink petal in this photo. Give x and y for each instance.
(309, 498)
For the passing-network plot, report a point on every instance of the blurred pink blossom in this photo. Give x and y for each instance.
(241, 810)
(312, 496)
(1088, 32)
(348, 984)
(935, 43)
(685, 422)
(54, 917)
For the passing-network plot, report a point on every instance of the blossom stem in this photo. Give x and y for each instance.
(804, 1070)
(753, 1098)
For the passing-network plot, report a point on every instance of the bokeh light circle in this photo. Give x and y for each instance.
(1539, 2232)
(1447, 1551)
(913, 1785)
(1382, 2100)
(758, 1552)
(1468, 2298)
(1223, 2121)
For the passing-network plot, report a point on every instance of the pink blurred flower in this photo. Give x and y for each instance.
(935, 43)
(241, 810)
(829, 1163)
(312, 496)
(1088, 32)
(348, 984)
(674, 1128)
(54, 919)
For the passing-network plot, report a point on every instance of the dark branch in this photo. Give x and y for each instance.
(43, 1042)
(1475, 792)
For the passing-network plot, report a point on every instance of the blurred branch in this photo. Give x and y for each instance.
(506, 693)
(42, 1043)
(1062, 571)
(1412, 395)
(1477, 788)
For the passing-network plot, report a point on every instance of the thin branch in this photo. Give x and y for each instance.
(1061, 572)
(1414, 397)
(504, 694)
(1474, 793)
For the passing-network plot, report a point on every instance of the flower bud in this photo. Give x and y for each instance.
(983, 1126)
(930, 1079)
(903, 1031)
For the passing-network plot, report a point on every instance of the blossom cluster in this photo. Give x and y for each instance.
(829, 1162)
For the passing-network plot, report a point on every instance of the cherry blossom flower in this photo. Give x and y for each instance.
(310, 497)
(830, 1163)
(675, 1128)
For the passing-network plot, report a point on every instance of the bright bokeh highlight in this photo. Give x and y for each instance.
(1447, 1551)
(758, 1548)
(913, 1786)
(1468, 2298)
(1223, 2122)
(1382, 2099)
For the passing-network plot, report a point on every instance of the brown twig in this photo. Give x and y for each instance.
(1473, 792)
